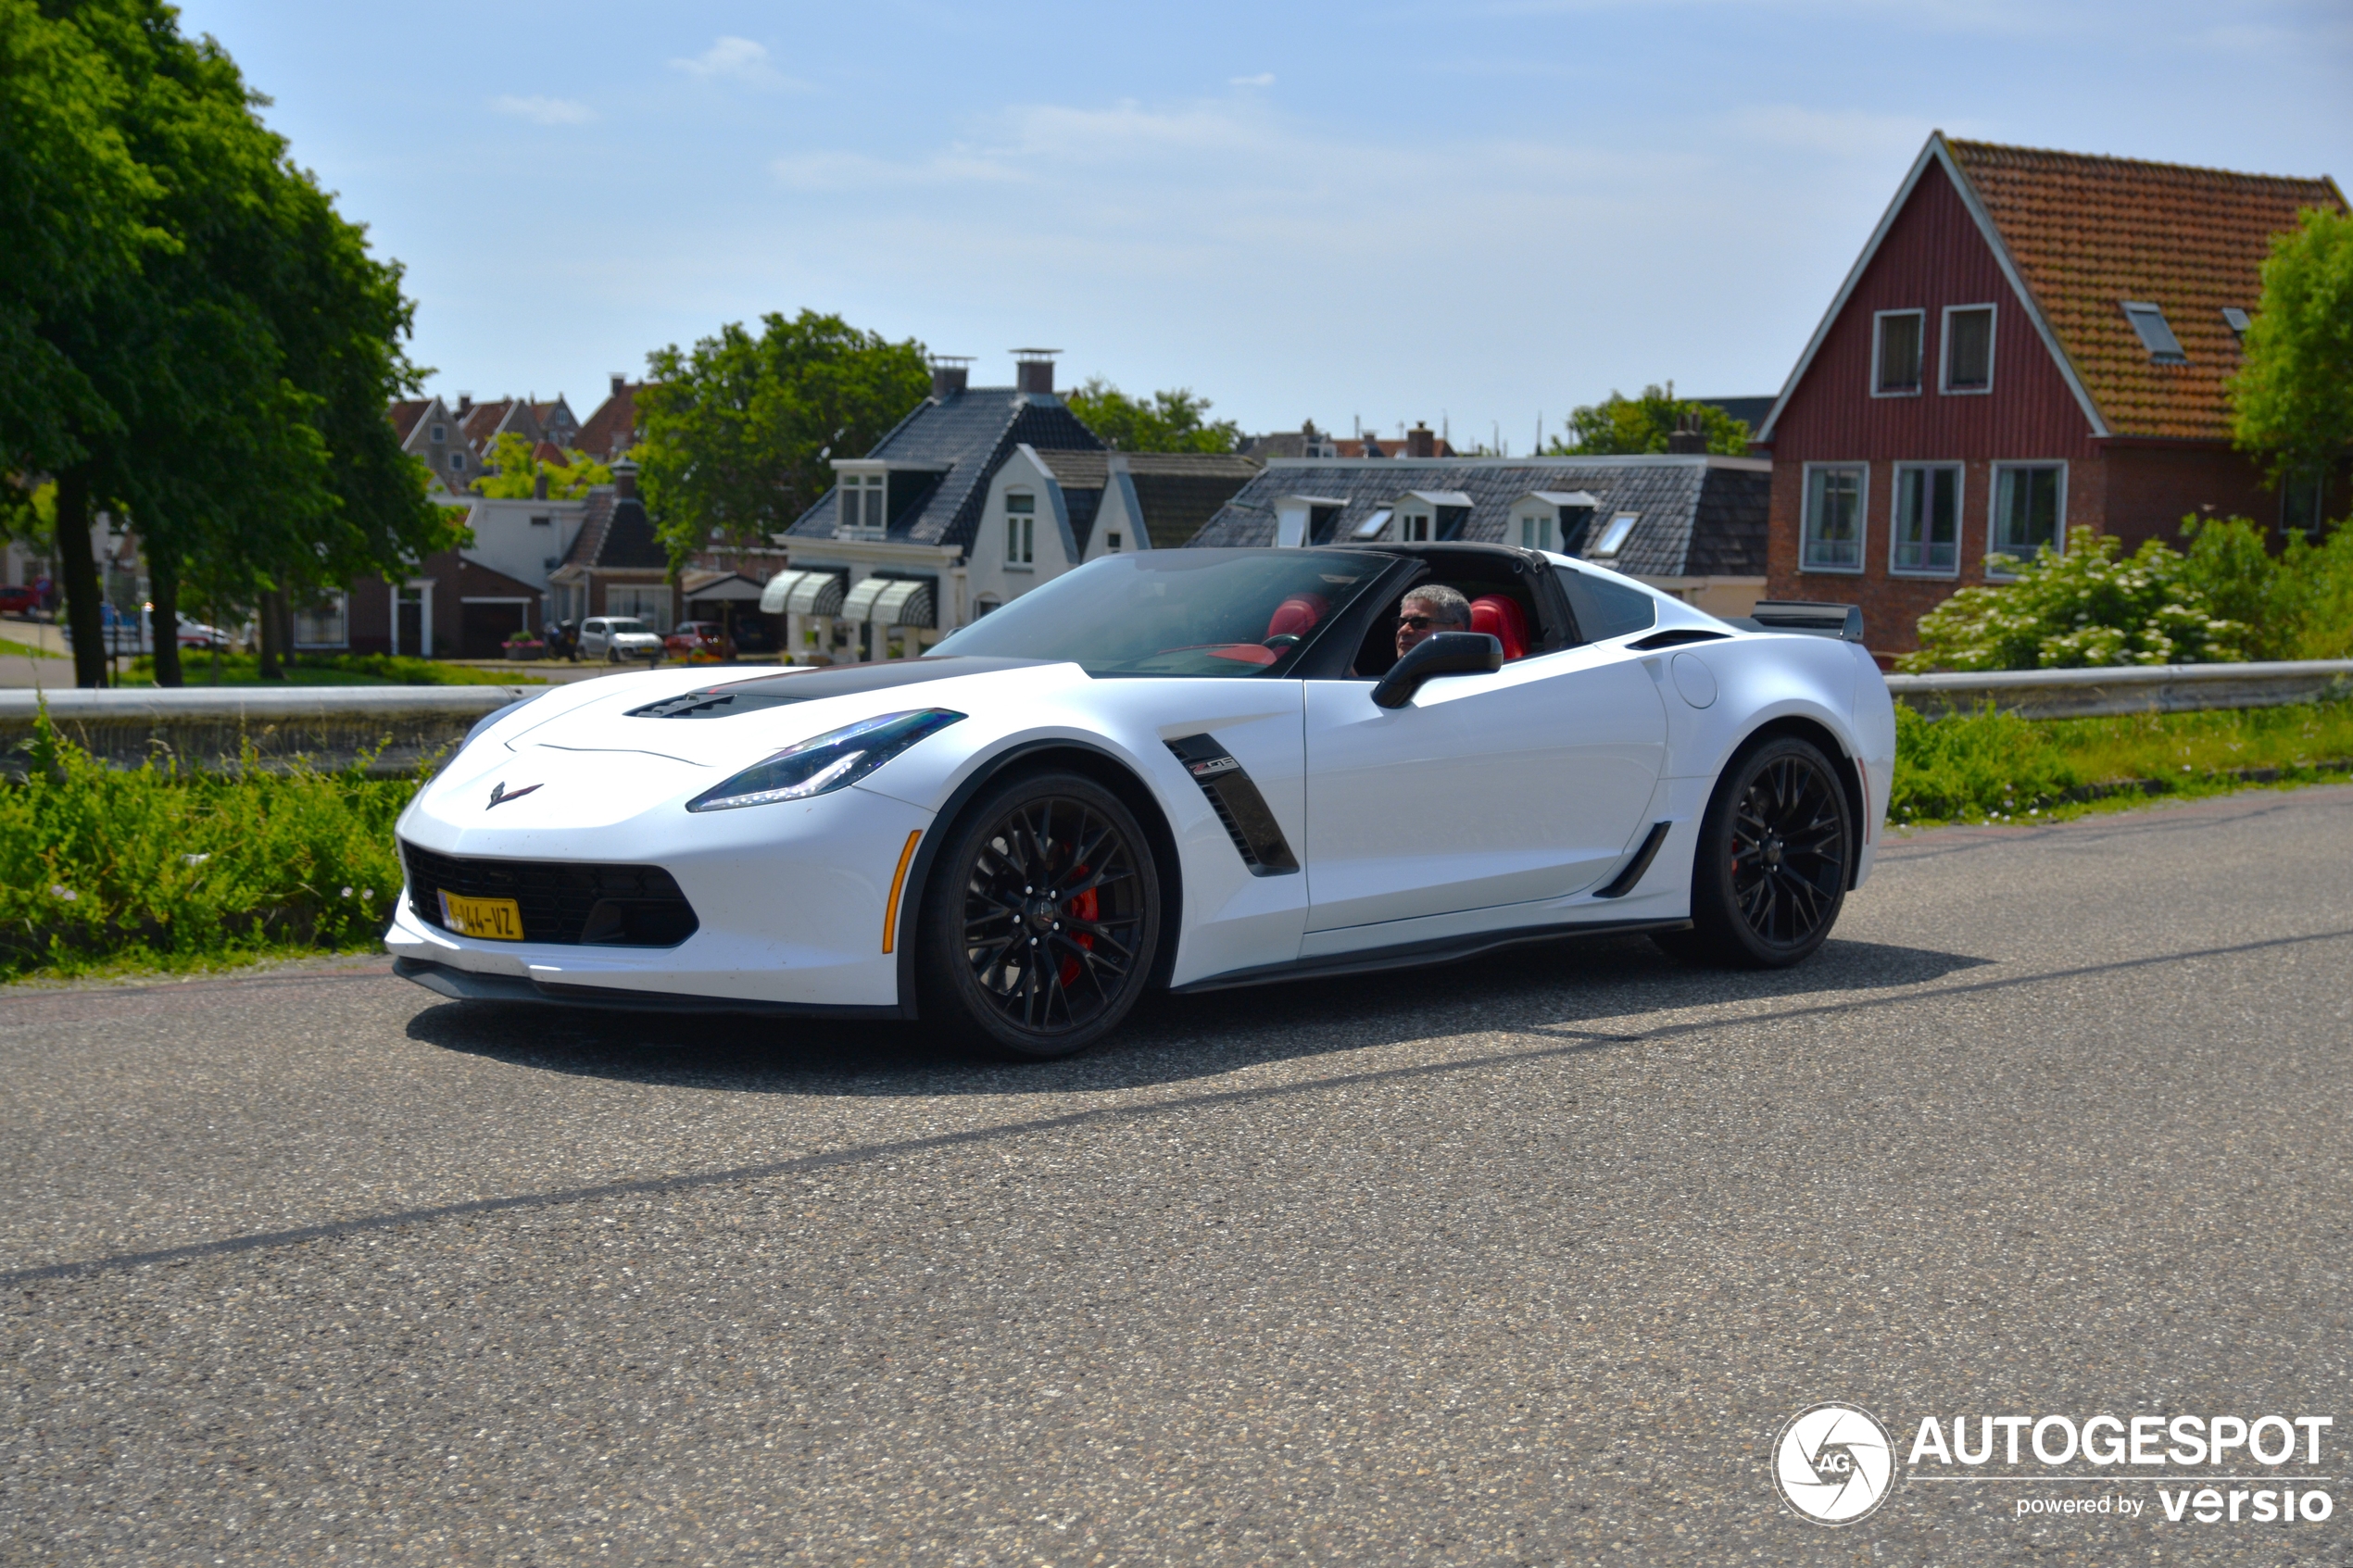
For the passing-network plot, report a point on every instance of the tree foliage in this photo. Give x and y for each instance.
(740, 431)
(2291, 402)
(2297, 604)
(1622, 424)
(214, 366)
(517, 467)
(1175, 421)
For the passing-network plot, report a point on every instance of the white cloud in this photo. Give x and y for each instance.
(545, 111)
(1264, 79)
(737, 60)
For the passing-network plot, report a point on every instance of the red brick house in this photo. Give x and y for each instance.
(2030, 341)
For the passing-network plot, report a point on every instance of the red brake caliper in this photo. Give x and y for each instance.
(1087, 906)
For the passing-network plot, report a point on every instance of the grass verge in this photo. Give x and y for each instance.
(1991, 766)
(322, 670)
(109, 872)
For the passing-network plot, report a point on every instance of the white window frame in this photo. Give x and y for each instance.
(1993, 513)
(1895, 518)
(342, 602)
(1862, 517)
(1021, 530)
(1879, 330)
(422, 588)
(1546, 523)
(1944, 386)
(866, 494)
(1415, 525)
(1111, 540)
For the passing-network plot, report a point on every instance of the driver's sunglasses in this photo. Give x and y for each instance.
(1419, 622)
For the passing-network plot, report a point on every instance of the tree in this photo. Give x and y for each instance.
(1170, 421)
(1623, 424)
(236, 368)
(2091, 606)
(2292, 401)
(740, 432)
(517, 470)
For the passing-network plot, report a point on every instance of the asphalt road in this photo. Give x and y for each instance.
(1521, 1261)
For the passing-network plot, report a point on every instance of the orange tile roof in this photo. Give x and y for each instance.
(2089, 232)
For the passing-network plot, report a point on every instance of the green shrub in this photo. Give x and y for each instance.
(2092, 606)
(171, 869)
(327, 670)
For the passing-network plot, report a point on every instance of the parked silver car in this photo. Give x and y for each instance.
(617, 638)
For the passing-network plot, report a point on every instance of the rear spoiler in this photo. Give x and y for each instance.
(1844, 622)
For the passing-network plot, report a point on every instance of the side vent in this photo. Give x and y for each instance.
(1676, 638)
(1625, 881)
(1258, 838)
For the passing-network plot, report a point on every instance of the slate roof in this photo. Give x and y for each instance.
(2087, 232)
(616, 535)
(1699, 516)
(962, 439)
(1181, 491)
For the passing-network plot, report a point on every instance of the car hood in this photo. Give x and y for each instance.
(735, 722)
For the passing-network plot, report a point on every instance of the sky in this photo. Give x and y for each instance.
(1479, 215)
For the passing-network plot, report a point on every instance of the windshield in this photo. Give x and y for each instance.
(624, 625)
(1177, 612)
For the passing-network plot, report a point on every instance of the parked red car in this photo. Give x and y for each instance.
(18, 600)
(698, 639)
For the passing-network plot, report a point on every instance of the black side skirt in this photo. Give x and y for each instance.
(1416, 955)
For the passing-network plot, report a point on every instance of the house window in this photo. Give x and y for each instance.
(1540, 531)
(1412, 526)
(1834, 532)
(1021, 528)
(2029, 500)
(2156, 334)
(2301, 495)
(456, 461)
(1927, 521)
(862, 503)
(1111, 540)
(985, 603)
(322, 624)
(1968, 360)
(1613, 536)
(441, 433)
(648, 604)
(1895, 353)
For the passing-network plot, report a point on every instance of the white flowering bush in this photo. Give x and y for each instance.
(2092, 606)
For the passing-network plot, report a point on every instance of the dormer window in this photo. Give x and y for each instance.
(2155, 333)
(1414, 525)
(1543, 519)
(1021, 528)
(861, 504)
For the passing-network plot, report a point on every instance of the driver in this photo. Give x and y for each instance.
(1429, 609)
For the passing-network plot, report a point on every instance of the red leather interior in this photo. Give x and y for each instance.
(1297, 615)
(1501, 619)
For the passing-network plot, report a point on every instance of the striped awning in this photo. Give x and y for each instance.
(802, 593)
(889, 601)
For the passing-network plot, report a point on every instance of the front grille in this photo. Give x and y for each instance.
(568, 901)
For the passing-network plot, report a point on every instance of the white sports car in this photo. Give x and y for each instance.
(1188, 768)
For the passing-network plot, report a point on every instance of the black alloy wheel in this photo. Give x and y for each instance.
(1776, 849)
(1041, 919)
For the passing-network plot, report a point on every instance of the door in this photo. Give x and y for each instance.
(484, 626)
(1483, 790)
(409, 623)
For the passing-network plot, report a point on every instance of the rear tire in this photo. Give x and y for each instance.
(1776, 849)
(1040, 921)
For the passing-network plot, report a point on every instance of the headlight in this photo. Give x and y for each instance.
(830, 761)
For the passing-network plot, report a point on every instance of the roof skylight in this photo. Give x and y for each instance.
(2236, 319)
(2157, 336)
(1614, 537)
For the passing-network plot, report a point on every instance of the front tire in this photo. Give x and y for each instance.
(1775, 849)
(1040, 921)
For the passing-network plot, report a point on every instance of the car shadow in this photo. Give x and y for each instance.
(1171, 1038)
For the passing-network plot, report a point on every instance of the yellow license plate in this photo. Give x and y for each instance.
(498, 919)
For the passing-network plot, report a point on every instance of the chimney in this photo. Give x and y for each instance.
(465, 402)
(951, 373)
(1688, 437)
(1034, 370)
(624, 480)
(1420, 441)
(619, 381)
(538, 486)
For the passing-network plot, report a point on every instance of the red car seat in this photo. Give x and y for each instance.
(1297, 616)
(1501, 619)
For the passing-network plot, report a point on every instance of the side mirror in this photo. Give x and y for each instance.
(1441, 653)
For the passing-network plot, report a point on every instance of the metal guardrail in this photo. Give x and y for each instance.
(330, 727)
(2090, 693)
